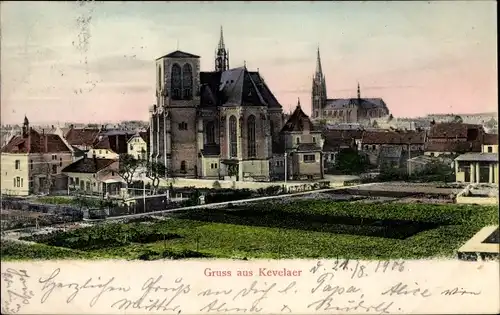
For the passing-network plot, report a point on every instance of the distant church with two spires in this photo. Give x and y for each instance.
(226, 124)
(342, 110)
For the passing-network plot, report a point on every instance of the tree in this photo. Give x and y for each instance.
(458, 119)
(351, 162)
(128, 167)
(156, 171)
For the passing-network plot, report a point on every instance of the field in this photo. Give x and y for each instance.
(296, 229)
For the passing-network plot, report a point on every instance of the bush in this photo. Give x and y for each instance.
(216, 185)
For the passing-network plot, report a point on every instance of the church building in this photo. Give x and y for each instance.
(219, 124)
(342, 110)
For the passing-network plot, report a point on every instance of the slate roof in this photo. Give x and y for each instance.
(36, 143)
(393, 137)
(211, 150)
(305, 147)
(479, 157)
(178, 54)
(490, 139)
(88, 165)
(236, 86)
(343, 133)
(298, 121)
(451, 130)
(364, 103)
(81, 137)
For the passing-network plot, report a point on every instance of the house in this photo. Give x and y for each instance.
(392, 148)
(94, 176)
(32, 163)
(301, 148)
(104, 148)
(449, 138)
(138, 146)
(482, 167)
(82, 138)
(490, 143)
(335, 140)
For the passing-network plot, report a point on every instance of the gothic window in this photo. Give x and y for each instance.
(183, 126)
(233, 137)
(159, 77)
(183, 166)
(176, 82)
(210, 133)
(251, 126)
(187, 82)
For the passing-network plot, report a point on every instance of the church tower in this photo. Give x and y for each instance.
(318, 97)
(221, 55)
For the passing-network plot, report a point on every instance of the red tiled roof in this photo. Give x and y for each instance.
(84, 137)
(454, 146)
(36, 143)
(393, 137)
(451, 130)
(490, 139)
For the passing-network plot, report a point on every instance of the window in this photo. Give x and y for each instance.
(77, 181)
(159, 77)
(54, 169)
(183, 166)
(309, 158)
(176, 82)
(54, 157)
(18, 164)
(252, 152)
(314, 139)
(60, 162)
(183, 126)
(31, 164)
(373, 147)
(233, 137)
(187, 82)
(213, 165)
(21, 182)
(297, 140)
(210, 133)
(18, 181)
(131, 147)
(490, 149)
(100, 151)
(71, 180)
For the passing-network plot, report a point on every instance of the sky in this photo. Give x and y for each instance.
(94, 62)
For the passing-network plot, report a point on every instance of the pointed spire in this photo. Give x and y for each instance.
(359, 92)
(221, 55)
(298, 102)
(221, 39)
(319, 70)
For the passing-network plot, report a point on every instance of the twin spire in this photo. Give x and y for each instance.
(221, 55)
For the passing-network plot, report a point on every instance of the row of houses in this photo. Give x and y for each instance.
(87, 159)
(57, 160)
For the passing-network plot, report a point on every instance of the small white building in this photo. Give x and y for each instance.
(138, 145)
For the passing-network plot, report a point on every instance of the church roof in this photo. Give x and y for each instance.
(236, 86)
(179, 54)
(364, 103)
(298, 121)
(88, 165)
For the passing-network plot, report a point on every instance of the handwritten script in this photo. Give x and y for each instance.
(231, 287)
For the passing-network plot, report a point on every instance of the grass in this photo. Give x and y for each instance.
(252, 233)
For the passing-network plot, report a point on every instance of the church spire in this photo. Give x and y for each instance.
(298, 102)
(222, 55)
(359, 92)
(319, 70)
